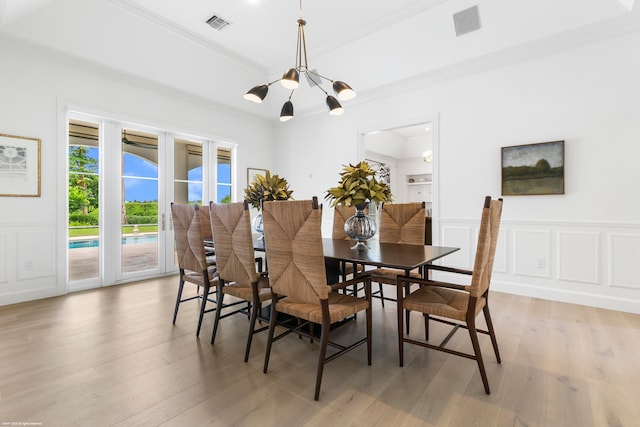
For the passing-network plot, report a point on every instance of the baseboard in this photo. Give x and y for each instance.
(563, 295)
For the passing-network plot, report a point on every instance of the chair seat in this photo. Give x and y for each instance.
(441, 302)
(340, 306)
(198, 279)
(246, 293)
(388, 275)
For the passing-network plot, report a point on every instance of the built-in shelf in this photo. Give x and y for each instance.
(418, 179)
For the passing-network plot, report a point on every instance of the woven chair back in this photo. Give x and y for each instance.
(235, 258)
(486, 249)
(294, 250)
(205, 224)
(402, 223)
(340, 215)
(188, 235)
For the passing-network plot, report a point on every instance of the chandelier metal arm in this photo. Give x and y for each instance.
(321, 76)
(302, 46)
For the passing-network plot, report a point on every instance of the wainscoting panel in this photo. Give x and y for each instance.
(459, 237)
(579, 257)
(28, 263)
(586, 263)
(624, 260)
(532, 252)
(3, 258)
(35, 254)
(500, 262)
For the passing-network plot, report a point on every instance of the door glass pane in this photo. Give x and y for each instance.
(187, 164)
(83, 238)
(224, 175)
(139, 214)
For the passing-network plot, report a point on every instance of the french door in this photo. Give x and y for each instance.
(122, 180)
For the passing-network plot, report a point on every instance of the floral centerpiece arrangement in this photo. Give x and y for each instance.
(266, 187)
(358, 184)
(358, 187)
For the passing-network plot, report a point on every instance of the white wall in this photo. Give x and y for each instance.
(579, 247)
(35, 95)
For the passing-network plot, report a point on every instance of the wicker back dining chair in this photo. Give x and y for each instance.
(399, 223)
(458, 305)
(192, 259)
(340, 215)
(207, 234)
(236, 265)
(298, 280)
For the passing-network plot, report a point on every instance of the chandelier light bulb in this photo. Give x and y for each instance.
(257, 93)
(343, 91)
(287, 111)
(335, 109)
(290, 79)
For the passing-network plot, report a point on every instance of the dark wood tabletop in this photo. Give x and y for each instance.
(391, 255)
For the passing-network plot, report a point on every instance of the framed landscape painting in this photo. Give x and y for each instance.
(533, 169)
(19, 166)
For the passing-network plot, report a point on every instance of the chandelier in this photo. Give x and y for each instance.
(291, 78)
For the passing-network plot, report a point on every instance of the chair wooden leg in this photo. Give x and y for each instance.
(407, 289)
(324, 339)
(492, 333)
(203, 303)
(400, 325)
(476, 349)
(369, 328)
(299, 322)
(426, 327)
(381, 287)
(252, 325)
(272, 328)
(217, 318)
(180, 288)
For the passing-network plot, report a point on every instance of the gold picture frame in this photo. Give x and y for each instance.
(19, 166)
(252, 172)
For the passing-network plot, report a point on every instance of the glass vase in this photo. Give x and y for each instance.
(360, 227)
(258, 225)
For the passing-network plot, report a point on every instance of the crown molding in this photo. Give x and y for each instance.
(153, 17)
(604, 30)
(66, 60)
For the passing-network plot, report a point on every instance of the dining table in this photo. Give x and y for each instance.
(389, 255)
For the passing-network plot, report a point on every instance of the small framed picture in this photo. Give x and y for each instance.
(252, 172)
(19, 166)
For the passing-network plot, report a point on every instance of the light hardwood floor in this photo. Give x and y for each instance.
(112, 357)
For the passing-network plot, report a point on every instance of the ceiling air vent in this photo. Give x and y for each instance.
(218, 23)
(466, 21)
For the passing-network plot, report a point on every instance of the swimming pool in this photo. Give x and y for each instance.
(127, 240)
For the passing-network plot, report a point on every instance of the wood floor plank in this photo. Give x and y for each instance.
(111, 357)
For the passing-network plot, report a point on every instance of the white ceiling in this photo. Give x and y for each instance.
(374, 45)
(265, 31)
